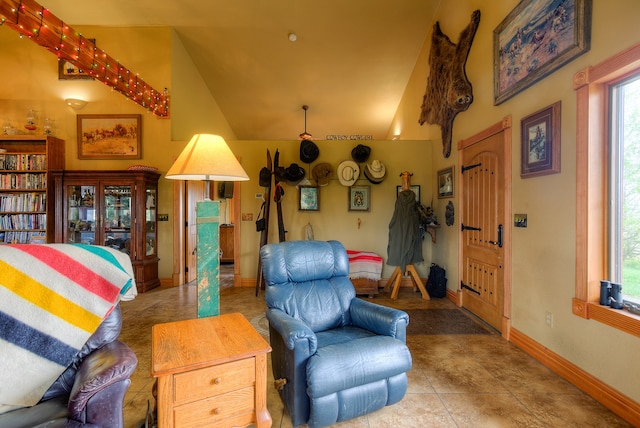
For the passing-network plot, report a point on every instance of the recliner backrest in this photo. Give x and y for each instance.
(309, 281)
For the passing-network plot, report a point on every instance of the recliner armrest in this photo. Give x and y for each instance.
(379, 319)
(102, 368)
(292, 330)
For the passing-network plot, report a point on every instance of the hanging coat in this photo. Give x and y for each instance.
(405, 243)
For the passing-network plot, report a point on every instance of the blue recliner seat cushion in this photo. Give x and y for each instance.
(341, 335)
(346, 365)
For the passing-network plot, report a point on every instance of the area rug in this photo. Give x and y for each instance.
(442, 321)
(261, 324)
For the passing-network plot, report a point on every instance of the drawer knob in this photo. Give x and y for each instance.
(216, 411)
(217, 380)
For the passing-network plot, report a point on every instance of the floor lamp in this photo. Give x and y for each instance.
(207, 158)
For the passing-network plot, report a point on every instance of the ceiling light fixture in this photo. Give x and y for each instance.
(305, 135)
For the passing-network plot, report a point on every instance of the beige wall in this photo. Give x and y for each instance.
(543, 254)
(334, 221)
(543, 271)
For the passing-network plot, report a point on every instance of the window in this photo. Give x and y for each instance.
(604, 93)
(624, 189)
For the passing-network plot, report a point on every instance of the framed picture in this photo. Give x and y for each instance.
(536, 38)
(360, 198)
(416, 190)
(68, 71)
(109, 136)
(445, 183)
(541, 142)
(309, 198)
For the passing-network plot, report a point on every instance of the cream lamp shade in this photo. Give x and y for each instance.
(207, 157)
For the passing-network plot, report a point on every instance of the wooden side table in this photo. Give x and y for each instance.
(211, 372)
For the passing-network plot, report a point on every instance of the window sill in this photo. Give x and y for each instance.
(617, 318)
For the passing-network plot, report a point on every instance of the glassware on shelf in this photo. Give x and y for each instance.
(30, 124)
(48, 126)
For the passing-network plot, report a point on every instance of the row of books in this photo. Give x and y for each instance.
(23, 162)
(23, 221)
(23, 181)
(16, 202)
(23, 237)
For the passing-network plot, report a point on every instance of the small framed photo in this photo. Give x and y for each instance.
(541, 142)
(415, 189)
(445, 183)
(109, 136)
(360, 198)
(309, 198)
(68, 71)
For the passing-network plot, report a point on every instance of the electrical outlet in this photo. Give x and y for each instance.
(548, 318)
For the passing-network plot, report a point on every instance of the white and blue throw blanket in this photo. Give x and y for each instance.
(52, 298)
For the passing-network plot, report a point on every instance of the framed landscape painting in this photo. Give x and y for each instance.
(109, 136)
(535, 39)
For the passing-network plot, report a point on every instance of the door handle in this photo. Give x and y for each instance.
(499, 241)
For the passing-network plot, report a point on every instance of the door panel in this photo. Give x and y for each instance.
(195, 192)
(482, 224)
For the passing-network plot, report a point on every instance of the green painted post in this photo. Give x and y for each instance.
(208, 257)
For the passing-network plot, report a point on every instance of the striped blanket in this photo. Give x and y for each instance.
(364, 265)
(52, 298)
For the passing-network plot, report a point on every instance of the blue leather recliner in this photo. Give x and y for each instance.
(339, 357)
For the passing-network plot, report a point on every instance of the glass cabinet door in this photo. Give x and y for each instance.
(150, 221)
(117, 217)
(81, 214)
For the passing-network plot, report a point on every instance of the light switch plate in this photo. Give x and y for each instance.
(520, 220)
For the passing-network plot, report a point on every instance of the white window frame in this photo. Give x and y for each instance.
(616, 196)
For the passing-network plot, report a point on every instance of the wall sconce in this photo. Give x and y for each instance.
(75, 103)
(206, 158)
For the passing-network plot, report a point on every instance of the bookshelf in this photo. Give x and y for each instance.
(26, 197)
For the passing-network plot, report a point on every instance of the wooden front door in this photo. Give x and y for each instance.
(485, 184)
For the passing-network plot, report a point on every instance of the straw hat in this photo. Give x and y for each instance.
(375, 172)
(321, 173)
(348, 172)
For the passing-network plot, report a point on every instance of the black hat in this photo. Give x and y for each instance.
(294, 173)
(360, 153)
(280, 173)
(308, 151)
(265, 177)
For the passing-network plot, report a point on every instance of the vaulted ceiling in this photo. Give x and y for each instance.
(350, 62)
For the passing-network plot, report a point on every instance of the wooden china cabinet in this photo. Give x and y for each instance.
(112, 208)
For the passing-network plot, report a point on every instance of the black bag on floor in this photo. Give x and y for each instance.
(437, 281)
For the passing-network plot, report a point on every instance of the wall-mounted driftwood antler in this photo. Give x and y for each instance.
(448, 90)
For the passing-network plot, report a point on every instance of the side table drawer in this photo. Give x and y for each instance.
(215, 410)
(216, 380)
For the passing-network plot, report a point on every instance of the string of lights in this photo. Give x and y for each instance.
(36, 22)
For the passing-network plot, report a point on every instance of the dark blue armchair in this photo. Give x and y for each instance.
(335, 356)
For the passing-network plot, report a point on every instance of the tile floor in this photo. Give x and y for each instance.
(456, 381)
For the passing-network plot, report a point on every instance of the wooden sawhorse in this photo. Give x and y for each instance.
(396, 276)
